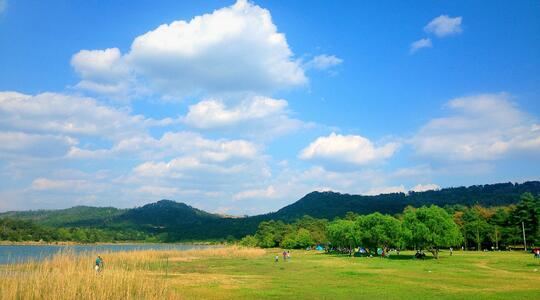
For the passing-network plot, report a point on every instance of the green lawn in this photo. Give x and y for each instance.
(314, 275)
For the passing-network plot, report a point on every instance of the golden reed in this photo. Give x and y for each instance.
(126, 275)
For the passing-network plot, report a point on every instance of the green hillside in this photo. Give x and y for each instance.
(74, 216)
(329, 204)
(173, 221)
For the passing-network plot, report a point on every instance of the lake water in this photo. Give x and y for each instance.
(20, 253)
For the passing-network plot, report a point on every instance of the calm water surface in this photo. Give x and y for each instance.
(20, 253)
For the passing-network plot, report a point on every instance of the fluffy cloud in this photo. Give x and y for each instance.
(172, 144)
(193, 157)
(443, 26)
(421, 43)
(347, 149)
(251, 117)
(53, 113)
(99, 65)
(233, 49)
(386, 190)
(482, 127)
(51, 125)
(103, 71)
(210, 172)
(34, 145)
(425, 187)
(323, 62)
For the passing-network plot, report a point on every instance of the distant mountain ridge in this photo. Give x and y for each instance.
(323, 204)
(180, 221)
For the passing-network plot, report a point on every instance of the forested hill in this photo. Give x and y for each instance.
(166, 213)
(74, 216)
(173, 221)
(329, 204)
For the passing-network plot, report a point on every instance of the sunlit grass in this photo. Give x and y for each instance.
(247, 273)
(126, 275)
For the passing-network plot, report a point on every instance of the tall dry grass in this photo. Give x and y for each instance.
(126, 275)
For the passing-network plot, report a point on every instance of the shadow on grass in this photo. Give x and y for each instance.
(391, 257)
(409, 257)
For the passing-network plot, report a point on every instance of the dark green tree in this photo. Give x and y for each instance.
(430, 228)
(378, 230)
(343, 234)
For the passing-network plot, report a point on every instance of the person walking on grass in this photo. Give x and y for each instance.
(99, 264)
(451, 251)
(284, 255)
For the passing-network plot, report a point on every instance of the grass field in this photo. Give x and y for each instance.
(239, 273)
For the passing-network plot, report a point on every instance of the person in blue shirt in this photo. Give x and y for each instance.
(99, 264)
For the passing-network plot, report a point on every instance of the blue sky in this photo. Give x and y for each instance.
(242, 108)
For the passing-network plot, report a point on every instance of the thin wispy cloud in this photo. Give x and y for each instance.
(484, 127)
(421, 43)
(440, 26)
(323, 62)
(3, 6)
(444, 25)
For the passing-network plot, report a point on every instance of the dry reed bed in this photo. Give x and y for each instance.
(127, 275)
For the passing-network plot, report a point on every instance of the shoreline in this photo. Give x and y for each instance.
(70, 243)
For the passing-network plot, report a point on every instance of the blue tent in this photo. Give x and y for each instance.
(319, 248)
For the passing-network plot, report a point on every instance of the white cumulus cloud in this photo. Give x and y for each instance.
(14, 143)
(348, 149)
(233, 49)
(250, 117)
(54, 113)
(103, 71)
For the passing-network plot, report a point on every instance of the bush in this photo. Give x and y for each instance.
(248, 241)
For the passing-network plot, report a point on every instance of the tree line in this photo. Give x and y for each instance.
(22, 231)
(427, 228)
(478, 227)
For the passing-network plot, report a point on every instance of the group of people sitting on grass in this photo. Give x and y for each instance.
(419, 254)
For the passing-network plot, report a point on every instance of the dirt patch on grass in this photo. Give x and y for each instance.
(496, 271)
(184, 259)
(209, 279)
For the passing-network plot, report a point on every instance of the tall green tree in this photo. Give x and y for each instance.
(528, 212)
(316, 228)
(430, 228)
(378, 230)
(476, 227)
(499, 221)
(271, 233)
(299, 239)
(343, 234)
